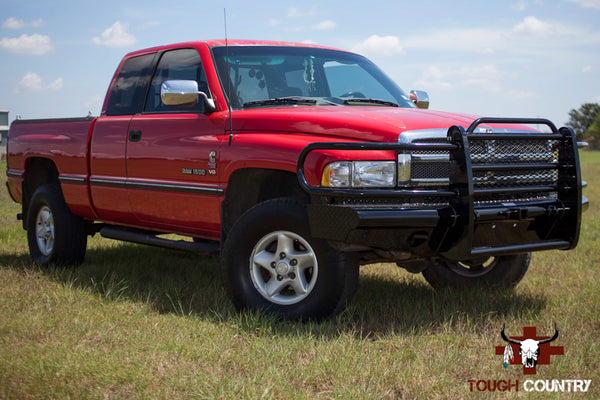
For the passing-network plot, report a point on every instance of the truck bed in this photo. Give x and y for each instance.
(63, 140)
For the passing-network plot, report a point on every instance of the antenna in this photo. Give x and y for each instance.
(228, 77)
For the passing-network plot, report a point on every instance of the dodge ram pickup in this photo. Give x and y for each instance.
(297, 163)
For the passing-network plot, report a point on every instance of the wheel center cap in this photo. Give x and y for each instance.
(282, 268)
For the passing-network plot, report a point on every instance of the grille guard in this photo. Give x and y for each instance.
(460, 219)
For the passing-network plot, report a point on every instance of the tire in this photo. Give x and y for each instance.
(493, 272)
(54, 234)
(270, 263)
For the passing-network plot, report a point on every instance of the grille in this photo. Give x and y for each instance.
(538, 159)
(512, 151)
(430, 170)
(426, 202)
(524, 177)
(430, 167)
(515, 198)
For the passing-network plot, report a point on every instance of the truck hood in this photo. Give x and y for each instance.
(372, 123)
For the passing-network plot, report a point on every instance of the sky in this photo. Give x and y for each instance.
(506, 58)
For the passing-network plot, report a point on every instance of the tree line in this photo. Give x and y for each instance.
(585, 121)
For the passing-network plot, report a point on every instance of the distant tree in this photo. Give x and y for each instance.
(593, 134)
(581, 120)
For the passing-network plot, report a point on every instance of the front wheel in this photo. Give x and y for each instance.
(54, 234)
(271, 263)
(492, 272)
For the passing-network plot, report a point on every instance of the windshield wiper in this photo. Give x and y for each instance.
(362, 101)
(281, 101)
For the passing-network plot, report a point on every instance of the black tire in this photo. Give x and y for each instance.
(493, 272)
(54, 234)
(270, 263)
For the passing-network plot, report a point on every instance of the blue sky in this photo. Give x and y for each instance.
(521, 58)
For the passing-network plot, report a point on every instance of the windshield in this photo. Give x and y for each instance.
(263, 76)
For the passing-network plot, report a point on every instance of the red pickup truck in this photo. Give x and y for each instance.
(297, 163)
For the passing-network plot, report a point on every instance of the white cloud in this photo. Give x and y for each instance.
(528, 36)
(522, 94)
(32, 82)
(588, 3)
(274, 22)
(520, 6)
(13, 23)
(57, 84)
(531, 26)
(115, 36)
(294, 12)
(586, 68)
(479, 40)
(487, 78)
(35, 44)
(432, 77)
(324, 25)
(379, 45)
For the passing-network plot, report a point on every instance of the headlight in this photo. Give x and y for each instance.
(359, 174)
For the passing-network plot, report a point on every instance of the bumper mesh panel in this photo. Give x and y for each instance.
(528, 152)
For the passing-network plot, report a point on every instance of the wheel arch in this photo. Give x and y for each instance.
(38, 171)
(248, 187)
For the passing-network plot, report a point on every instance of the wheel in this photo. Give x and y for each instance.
(492, 272)
(270, 263)
(54, 234)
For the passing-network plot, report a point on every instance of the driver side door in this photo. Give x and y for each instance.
(172, 155)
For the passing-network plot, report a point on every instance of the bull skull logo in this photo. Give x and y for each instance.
(529, 349)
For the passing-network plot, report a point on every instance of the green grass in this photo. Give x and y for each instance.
(138, 322)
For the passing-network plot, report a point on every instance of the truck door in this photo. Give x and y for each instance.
(108, 144)
(172, 154)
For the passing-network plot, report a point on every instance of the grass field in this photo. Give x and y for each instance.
(137, 322)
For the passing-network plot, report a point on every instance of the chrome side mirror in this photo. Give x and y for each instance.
(180, 93)
(420, 98)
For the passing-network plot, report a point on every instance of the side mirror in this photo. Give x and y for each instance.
(420, 98)
(180, 93)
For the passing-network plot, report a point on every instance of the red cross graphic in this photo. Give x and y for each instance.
(546, 349)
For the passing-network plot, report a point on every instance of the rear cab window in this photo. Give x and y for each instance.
(129, 91)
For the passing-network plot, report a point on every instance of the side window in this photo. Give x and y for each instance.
(127, 95)
(183, 64)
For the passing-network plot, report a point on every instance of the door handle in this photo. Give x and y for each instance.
(135, 136)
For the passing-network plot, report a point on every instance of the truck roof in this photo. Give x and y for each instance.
(221, 42)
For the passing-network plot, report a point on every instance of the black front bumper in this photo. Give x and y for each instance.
(454, 222)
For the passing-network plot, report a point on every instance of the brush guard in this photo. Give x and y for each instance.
(476, 215)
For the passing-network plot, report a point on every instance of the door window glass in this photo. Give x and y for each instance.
(183, 64)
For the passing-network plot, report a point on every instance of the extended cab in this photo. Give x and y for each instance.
(297, 163)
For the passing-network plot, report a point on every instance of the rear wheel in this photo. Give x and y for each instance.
(271, 263)
(54, 234)
(493, 272)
